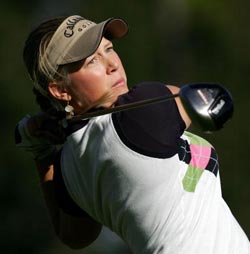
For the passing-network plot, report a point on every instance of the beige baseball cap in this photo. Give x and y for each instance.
(77, 38)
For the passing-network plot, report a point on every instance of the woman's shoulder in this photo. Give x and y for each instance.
(152, 130)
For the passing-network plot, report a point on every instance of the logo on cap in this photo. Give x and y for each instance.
(70, 25)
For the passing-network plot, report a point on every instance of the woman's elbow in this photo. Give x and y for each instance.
(76, 243)
(79, 240)
(77, 232)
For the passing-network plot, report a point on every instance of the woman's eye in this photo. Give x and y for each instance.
(111, 48)
(92, 61)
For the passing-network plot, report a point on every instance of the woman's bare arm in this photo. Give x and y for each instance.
(185, 117)
(76, 232)
(34, 135)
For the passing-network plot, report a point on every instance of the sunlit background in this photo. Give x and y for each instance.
(174, 41)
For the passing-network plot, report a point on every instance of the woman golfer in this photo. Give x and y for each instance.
(138, 172)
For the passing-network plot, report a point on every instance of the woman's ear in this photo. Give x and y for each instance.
(58, 91)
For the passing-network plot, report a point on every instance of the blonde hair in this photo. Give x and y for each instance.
(33, 51)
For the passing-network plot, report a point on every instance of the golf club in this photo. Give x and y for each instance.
(209, 105)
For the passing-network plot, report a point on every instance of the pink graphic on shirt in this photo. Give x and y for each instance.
(200, 156)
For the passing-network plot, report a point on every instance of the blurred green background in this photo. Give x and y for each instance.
(176, 42)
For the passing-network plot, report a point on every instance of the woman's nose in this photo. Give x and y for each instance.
(112, 65)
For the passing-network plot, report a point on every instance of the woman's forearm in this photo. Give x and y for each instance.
(45, 173)
(76, 232)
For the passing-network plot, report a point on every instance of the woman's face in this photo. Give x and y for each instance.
(101, 76)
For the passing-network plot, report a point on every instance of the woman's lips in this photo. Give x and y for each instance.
(119, 82)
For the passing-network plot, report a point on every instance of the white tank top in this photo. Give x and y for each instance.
(155, 205)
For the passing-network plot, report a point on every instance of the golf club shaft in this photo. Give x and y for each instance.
(120, 108)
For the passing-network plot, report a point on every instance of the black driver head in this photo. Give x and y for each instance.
(209, 105)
